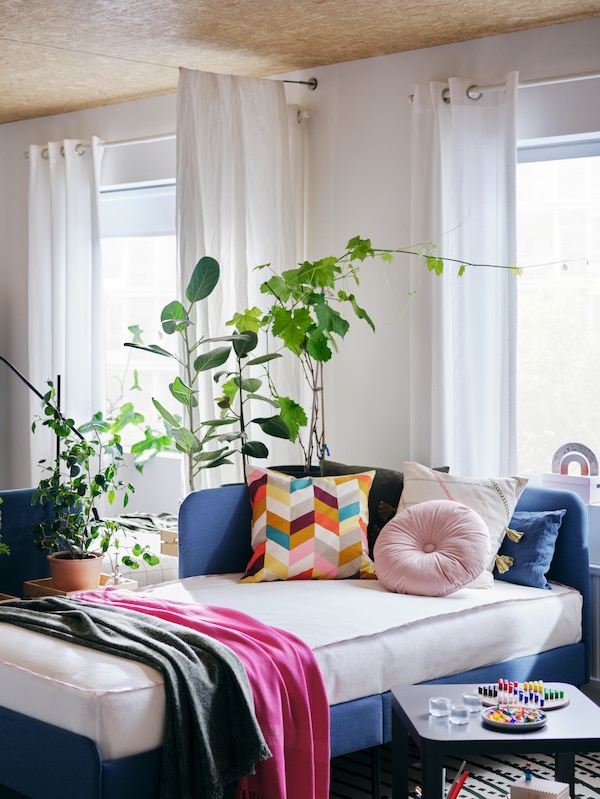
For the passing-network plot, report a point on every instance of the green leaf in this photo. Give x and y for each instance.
(435, 264)
(173, 318)
(150, 442)
(231, 436)
(150, 348)
(136, 331)
(291, 327)
(263, 359)
(318, 274)
(96, 424)
(251, 384)
(245, 343)
(260, 397)
(274, 426)
(127, 415)
(277, 287)
(293, 415)
(230, 389)
(165, 413)
(212, 359)
(136, 381)
(211, 455)
(255, 449)
(250, 319)
(185, 439)
(359, 312)
(204, 279)
(329, 319)
(218, 462)
(317, 345)
(218, 422)
(182, 393)
(360, 248)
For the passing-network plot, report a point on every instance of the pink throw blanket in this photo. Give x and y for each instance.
(289, 696)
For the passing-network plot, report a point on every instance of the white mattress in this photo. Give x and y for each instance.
(365, 640)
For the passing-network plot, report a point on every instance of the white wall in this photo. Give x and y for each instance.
(361, 159)
(359, 184)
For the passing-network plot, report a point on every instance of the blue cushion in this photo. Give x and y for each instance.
(534, 552)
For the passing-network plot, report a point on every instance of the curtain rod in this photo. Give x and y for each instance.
(475, 92)
(312, 84)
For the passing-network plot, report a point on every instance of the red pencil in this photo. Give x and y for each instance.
(456, 789)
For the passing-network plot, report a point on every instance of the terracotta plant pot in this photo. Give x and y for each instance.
(74, 574)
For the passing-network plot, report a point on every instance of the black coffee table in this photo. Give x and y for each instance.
(571, 729)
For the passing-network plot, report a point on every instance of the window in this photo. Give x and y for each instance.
(558, 364)
(139, 271)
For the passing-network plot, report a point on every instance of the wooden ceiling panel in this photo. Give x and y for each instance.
(63, 55)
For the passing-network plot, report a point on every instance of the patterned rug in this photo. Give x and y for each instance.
(489, 778)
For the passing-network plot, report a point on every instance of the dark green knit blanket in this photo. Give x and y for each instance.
(211, 735)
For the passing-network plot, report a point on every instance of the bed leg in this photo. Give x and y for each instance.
(376, 772)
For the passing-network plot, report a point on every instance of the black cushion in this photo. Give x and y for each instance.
(383, 497)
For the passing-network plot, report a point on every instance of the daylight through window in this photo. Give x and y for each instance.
(558, 369)
(139, 271)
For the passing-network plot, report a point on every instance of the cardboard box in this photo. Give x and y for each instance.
(37, 588)
(169, 544)
(588, 487)
(536, 788)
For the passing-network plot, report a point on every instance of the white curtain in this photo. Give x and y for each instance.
(64, 282)
(235, 203)
(463, 329)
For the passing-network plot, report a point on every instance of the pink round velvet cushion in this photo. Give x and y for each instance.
(432, 549)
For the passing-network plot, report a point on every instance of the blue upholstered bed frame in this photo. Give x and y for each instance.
(214, 538)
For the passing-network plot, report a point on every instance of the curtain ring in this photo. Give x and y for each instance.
(45, 154)
(473, 92)
(79, 149)
(446, 95)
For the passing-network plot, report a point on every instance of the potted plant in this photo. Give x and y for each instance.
(303, 316)
(205, 442)
(306, 316)
(85, 469)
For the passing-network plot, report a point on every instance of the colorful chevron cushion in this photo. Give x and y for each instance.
(308, 528)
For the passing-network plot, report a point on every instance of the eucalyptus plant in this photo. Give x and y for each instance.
(203, 441)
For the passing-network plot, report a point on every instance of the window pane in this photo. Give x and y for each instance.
(558, 370)
(139, 273)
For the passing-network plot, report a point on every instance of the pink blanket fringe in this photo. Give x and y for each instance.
(289, 696)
